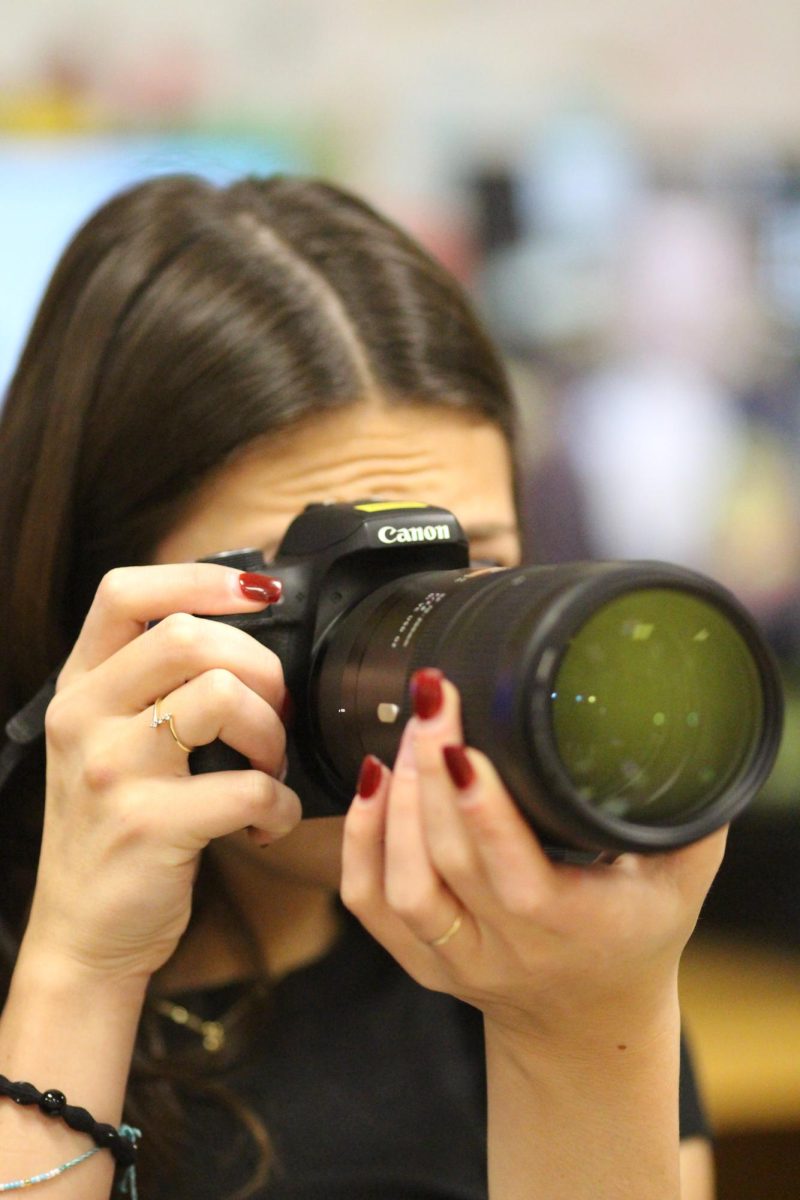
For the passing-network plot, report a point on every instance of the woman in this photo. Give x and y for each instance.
(205, 363)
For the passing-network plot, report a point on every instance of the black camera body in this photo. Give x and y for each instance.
(332, 557)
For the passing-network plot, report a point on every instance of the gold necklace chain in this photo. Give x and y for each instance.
(212, 1032)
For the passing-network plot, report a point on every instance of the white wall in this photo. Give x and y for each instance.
(399, 86)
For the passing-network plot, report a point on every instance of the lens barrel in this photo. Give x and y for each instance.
(627, 706)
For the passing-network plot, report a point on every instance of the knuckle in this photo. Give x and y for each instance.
(522, 900)
(456, 863)
(359, 898)
(178, 632)
(267, 803)
(59, 723)
(405, 773)
(275, 672)
(222, 688)
(428, 752)
(355, 896)
(486, 824)
(350, 897)
(133, 820)
(409, 902)
(288, 806)
(256, 795)
(274, 748)
(269, 665)
(113, 587)
(100, 769)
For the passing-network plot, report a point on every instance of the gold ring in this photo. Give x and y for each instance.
(444, 938)
(166, 719)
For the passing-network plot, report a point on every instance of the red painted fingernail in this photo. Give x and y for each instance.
(427, 694)
(370, 776)
(260, 587)
(459, 768)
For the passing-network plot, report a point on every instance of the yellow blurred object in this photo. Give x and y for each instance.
(758, 546)
(741, 1008)
(46, 111)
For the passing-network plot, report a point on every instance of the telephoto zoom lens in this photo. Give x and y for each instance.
(626, 706)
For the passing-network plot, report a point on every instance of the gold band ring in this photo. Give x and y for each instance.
(444, 938)
(166, 719)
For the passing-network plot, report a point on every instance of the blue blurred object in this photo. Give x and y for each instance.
(582, 176)
(48, 187)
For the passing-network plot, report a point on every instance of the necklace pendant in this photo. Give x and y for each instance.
(213, 1033)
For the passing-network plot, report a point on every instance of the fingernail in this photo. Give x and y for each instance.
(260, 587)
(427, 694)
(260, 836)
(370, 776)
(272, 838)
(264, 838)
(459, 768)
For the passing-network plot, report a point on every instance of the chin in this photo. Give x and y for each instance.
(310, 854)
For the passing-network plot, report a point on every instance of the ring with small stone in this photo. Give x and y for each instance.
(160, 718)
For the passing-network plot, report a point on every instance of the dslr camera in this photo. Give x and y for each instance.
(626, 705)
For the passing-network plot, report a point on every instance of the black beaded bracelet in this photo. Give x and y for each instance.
(54, 1104)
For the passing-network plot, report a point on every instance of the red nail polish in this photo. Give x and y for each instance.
(370, 776)
(427, 695)
(459, 768)
(260, 587)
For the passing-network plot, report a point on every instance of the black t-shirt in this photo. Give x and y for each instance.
(371, 1087)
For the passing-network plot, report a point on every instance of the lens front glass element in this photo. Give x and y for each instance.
(656, 706)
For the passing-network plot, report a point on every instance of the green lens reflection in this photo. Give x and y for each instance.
(656, 706)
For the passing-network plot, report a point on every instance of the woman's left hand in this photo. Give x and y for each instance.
(442, 868)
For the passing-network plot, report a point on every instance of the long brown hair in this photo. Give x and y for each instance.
(182, 322)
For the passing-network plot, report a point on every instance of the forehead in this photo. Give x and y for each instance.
(438, 455)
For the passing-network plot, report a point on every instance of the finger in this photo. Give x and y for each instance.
(514, 865)
(363, 867)
(180, 648)
(214, 705)
(128, 598)
(690, 869)
(363, 841)
(450, 847)
(211, 806)
(414, 888)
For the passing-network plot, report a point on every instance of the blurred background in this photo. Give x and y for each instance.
(618, 187)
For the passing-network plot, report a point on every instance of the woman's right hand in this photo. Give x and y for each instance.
(125, 821)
